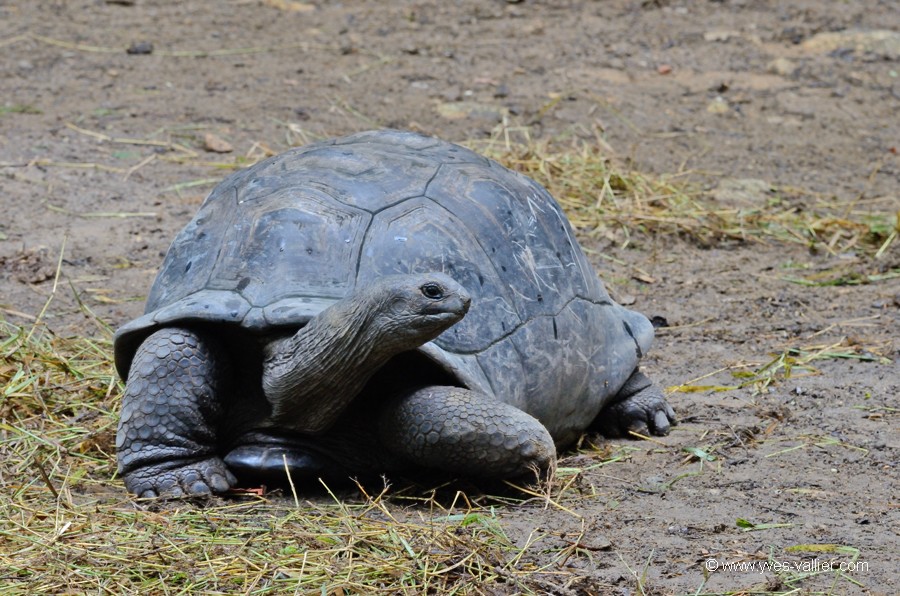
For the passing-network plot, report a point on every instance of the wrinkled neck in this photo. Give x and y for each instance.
(311, 377)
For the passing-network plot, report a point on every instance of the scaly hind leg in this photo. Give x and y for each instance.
(639, 407)
(172, 406)
(464, 432)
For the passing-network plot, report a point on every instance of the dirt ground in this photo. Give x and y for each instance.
(104, 155)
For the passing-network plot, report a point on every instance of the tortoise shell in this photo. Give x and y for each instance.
(275, 244)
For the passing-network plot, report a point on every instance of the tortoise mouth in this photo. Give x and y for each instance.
(446, 317)
(443, 319)
(443, 313)
(448, 309)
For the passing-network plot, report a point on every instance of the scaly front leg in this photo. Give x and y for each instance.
(464, 432)
(172, 407)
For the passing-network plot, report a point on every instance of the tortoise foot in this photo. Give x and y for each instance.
(172, 479)
(640, 408)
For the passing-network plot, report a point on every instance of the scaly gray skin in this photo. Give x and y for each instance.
(172, 408)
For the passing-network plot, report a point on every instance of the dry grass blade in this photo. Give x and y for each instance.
(101, 214)
(129, 141)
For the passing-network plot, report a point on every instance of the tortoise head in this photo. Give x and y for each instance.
(416, 307)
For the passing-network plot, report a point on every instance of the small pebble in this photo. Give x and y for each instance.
(718, 106)
(782, 66)
(658, 321)
(216, 144)
(140, 47)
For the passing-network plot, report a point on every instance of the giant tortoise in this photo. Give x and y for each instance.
(384, 302)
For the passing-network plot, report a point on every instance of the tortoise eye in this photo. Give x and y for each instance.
(432, 291)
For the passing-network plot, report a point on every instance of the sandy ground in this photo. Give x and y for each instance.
(104, 155)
